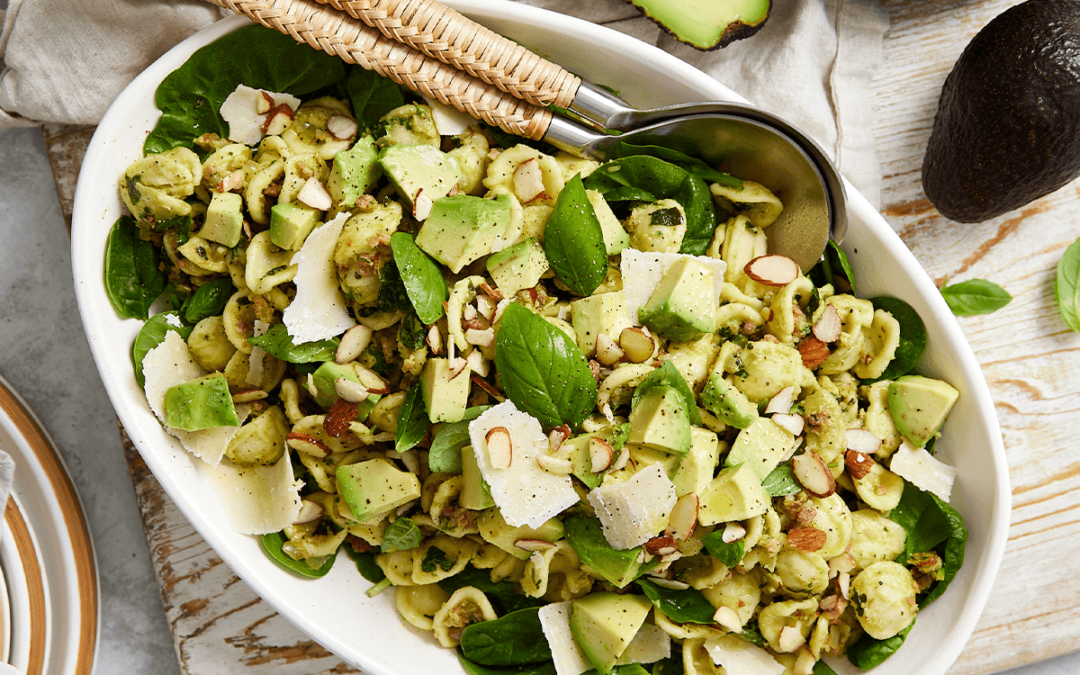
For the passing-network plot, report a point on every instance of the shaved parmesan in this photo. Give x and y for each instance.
(923, 470)
(257, 499)
(633, 511)
(524, 492)
(319, 310)
(642, 273)
(170, 364)
(739, 657)
(568, 656)
(449, 120)
(650, 644)
(241, 111)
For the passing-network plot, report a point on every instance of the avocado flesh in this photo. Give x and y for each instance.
(707, 24)
(603, 624)
(919, 406)
(1008, 121)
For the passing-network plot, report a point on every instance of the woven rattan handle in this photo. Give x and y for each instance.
(353, 41)
(442, 33)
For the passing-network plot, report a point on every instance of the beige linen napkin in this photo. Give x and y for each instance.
(812, 63)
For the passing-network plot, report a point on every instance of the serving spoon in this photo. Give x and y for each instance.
(507, 85)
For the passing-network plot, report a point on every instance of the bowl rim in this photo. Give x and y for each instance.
(86, 273)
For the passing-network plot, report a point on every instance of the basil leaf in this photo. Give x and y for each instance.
(868, 652)
(691, 165)
(191, 96)
(277, 342)
(975, 296)
(822, 668)
(834, 268)
(683, 606)
(504, 597)
(781, 482)
(668, 375)
(411, 332)
(931, 525)
(729, 554)
(696, 199)
(543, 371)
(401, 535)
(272, 546)
(133, 280)
(365, 563)
(372, 96)
(152, 334)
(471, 668)
(574, 240)
(424, 283)
(515, 639)
(209, 300)
(1067, 286)
(752, 634)
(413, 421)
(912, 336)
(672, 665)
(444, 455)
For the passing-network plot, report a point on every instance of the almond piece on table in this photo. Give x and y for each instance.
(558, 466)
(422, 204)
(807, 539)
(533, 545)
(341, 415)
(827, 328)
(607, 351)
(772, 270)
(500, 447)
(813, 352)
(813, 474)
(790, 639)
(733, 531)
(309, 511)
(672, 584)
(858, 463)
(350, 391)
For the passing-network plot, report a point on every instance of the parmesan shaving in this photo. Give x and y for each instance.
(319, 310)
(257, 499)
(642, 273)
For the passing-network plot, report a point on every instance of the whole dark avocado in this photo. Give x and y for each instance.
(1007, 129)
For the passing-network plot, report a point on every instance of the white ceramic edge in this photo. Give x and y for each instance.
(23, 655)
(5, 614)
(695, 81)
(15, 579)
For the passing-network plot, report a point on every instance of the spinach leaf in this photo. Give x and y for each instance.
(372, 96)
(672, 665)
(133, 280)
(413, 421)
(411, 332)
(781, 482)
(424, 283)
(277, 342)
(667, 375)
(696, 199)
(543, 371)
(912, 336)
(868, 652)
(365, 563)
(1067, 286)
(729, 554)
(586, 536)
(189, 98)
(471, 668)
(208, 300)
(574, 241)
(392, 292)
(683, 606)
(435, 558)
(931, 525)
(152, 334)
(444, 455)
(515, 639)
(822, 668)
(834, 268)
(691, 165)
(272, 546)
(504, 596)
(752, 634)
(401, 535)
(975, 296)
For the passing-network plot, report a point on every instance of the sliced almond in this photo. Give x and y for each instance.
(234, 181)
(661, 545)
(841, 563)
(278, 120)
(813, 474)
(469, 312)
(485, 385)
(804, 663)
(309, 445)
(671, 584)
(601, 454)
(683, 519)
(559, 466)
(861, 440)
(434, 340)
(772, 270)
(264, 103)
(341, 127)
(858, 463)
(500, 447)
(309, 512)
(533, 545)
(350, 391)
(249, 396)
(813, 352)
(621, 460)
(480, 338)
(528, 180)
(411, 459)
(371, 381)
(478, 364)
(422, 204)
(314, 194)
(807, 539)
(607, 351)
(733, 532)
(353, 343)
(557, 436)
(790, 639)
(793, 423)
(843, 582)
(638, 344)
(340, 418)
(492, 293)
(828, 326)
(728, 618)
(485, 306)
(457, 365)
(781, 402)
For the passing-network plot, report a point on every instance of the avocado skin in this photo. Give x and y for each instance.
(1006, 130)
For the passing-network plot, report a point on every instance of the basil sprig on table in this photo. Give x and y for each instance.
(133, 280)
(424, 282)
(1067, 286)
(975, 296)
(574, 241)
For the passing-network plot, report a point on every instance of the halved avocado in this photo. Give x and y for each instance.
(707, 24)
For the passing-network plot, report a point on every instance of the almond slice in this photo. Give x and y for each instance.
(683, 519)
(861, 440)
(601, 454)
(528, 180)
(277, 120)
(500, 447)
(309, 445)
(434, 340)
(350, 391)
(353, 343)
(457, 365)
(557, 436)
(858, 463)
(813, 474)
(485, 306)
(309, 512)
(558, 466)
(341, 127)
(480, 338)
(234, 181)
(533, 545)
(733, 531)
(371, 381)
(607, 351)
(813, 352)
(781, 402)
(622, 459)
(772, 270)
(264, 103)
(638, 344)
(422, 204)
(807, 539)
(793, 423)
(314, 194)
(661, 545)
(828, 327)
(479, 366)
(728, 618)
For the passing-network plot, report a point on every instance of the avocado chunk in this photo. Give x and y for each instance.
(518, 267)
(204, 403)
(735, 494)
(661, 421)
(603, 624)
(919, 405)
(497, 531)
(1005, 130)
(224, 220)
(412, 168)
(445, 396)
(600, 313)
(616, 238)
(354, 173)
(761, 446)
(683, 306)
(475, 494)
(586, 537)
(327, 374)
(730, 405)
(291, 223)
(698, 466)
(462, 228)
(707, 24)
(375, 486)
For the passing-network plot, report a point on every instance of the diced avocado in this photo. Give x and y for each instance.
(518, 267)
(661, 421)
(497, 531)
(412, 168)
(603, 624)
(291, 223)
(444, 396)
(697, 467)
(463, 228)
(475, 494)
(735, 494)
(730, 405)
(200, 404)
(683, 306)
(642, 456)
(919, 406)
(600, 313)
(224, 219)
(375, 486)
(327, 374)
(615, 237)
(355, 172)
(761, 446)
(586, 537)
